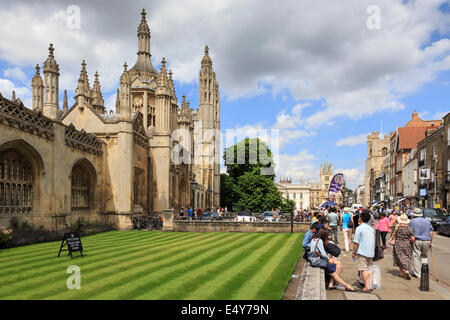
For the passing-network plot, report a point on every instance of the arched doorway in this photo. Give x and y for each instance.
(83, 179)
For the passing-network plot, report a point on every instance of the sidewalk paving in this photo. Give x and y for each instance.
(393, 287)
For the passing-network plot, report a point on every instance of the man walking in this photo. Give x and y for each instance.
(333, 218)
(423, 232)
(364, 248)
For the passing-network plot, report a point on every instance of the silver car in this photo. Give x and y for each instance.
(271, 216)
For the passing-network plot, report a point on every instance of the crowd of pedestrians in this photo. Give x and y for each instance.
(411, 239)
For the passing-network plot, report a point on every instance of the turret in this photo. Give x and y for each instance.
(65, 103)
(51, 84)
(125, 94)
(37, 87)
(83, 91)
(97, 98)
(163, 100)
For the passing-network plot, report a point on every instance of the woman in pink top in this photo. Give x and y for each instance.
(383, 226)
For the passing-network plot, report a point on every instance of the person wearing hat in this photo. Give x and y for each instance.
(404, 238)
(423, 232)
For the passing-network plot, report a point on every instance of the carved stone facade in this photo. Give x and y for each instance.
(59, 164)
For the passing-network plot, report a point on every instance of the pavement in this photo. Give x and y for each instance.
(393, 287)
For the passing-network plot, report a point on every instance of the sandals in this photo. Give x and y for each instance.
(407, 276)
(366, 290)
(351, 290)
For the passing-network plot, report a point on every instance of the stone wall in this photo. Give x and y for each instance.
(233, 226)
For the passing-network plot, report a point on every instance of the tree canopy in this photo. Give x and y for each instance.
(249, 182)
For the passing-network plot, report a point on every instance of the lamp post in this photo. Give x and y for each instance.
(193, 187)
(435, 179)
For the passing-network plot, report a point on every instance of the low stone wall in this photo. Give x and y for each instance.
(234, 226)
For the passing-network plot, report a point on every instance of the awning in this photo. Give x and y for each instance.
(375, 204)
(398, 201)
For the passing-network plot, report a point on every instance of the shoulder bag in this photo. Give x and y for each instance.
(316, 260)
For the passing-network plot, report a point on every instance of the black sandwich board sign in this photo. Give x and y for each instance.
(73, 242)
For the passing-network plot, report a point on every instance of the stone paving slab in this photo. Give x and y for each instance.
(393, 287)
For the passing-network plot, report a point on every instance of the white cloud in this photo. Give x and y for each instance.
(7, 86)
(15, 73)
(439, 115)
(298, 165)
(353, 177)
(317, 51)
(352, 140)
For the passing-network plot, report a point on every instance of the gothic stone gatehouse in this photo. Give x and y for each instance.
(59, 164)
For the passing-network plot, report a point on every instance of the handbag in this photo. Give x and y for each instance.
(378, 250)
(317, 261)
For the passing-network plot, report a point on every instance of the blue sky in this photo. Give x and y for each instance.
(315, 71)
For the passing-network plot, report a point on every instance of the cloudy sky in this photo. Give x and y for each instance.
(323, 73)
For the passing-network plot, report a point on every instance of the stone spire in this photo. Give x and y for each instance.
(183, 104)
(83, 91)
(37, 87)
(51, 81)
(97, 98)
(13, 96)
(65, 104)
(163, 82)
(171, 85)
(206, 61)
(50, 64)
(143, 66)
(118, 102)
(125, 94)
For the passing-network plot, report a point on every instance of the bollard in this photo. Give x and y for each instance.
(424, 276)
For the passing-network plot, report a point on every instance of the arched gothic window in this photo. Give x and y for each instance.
(16, 182)
(81, 188)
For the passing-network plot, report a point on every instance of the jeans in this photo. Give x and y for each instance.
(334, 234)
(347, 238)
(420, 250)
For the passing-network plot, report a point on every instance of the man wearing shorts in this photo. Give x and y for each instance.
(364, 247)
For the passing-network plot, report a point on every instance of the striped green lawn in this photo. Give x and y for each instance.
(155, 265)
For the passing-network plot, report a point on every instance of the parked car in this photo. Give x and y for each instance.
(270, 216)
(209, 216)
(434, 215)
(443, 227)
(245, 216)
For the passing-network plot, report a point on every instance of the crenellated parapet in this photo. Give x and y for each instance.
(16, 115)
(82, 140)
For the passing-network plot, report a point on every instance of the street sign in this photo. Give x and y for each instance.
(73, 242)
(437, 206)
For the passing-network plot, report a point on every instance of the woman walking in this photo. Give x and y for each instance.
(383, 226)
(318, 244)
(347, 229)
(404, 238)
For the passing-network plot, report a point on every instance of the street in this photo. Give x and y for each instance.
(441, 253)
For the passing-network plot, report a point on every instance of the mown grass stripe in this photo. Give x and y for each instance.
(189, 266)
(251, 287)
(137, 252)
(49, 258)
(275, 284)
(114, 279)
(53, 251)
(36, 247)
(208, 273)
(252, 264)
